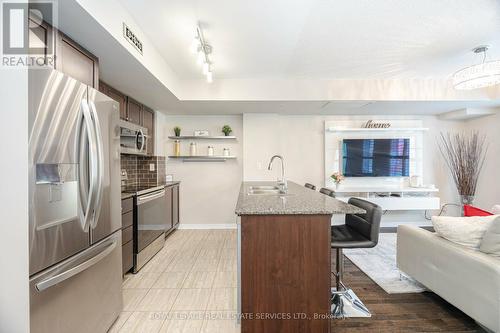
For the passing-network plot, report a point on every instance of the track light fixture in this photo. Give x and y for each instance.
(202, 50)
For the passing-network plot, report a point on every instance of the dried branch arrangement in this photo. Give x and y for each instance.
(465, 155)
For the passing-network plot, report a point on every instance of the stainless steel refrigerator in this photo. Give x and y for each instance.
(75, 207)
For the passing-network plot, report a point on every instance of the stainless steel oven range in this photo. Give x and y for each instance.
(151, 210)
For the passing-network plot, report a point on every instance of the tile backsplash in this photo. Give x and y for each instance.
(143, 170)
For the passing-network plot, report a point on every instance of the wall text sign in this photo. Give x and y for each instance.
(132, 38)
(372, 124)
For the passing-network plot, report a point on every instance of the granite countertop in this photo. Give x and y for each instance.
(174, 182)
(298, 201)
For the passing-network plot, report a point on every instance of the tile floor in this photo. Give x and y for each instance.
(188, 287)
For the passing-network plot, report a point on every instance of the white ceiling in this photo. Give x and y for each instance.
(322, 39)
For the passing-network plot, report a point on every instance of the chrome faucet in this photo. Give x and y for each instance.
(282, 182)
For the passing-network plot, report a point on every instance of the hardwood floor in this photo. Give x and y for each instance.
(423, 312)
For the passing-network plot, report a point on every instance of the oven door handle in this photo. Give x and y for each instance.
(146, 198)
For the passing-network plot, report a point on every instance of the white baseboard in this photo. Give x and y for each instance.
(207, 226)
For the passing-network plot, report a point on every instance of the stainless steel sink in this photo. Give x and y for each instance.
(263, 188)
(263, 192)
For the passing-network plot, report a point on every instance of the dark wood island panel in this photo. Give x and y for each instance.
(285, 272)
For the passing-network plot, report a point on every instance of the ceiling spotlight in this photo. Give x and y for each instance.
(482, 75)
(203, 49)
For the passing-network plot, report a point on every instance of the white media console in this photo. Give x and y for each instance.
(393, 198)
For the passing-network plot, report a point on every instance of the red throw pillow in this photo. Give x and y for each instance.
(474, 211)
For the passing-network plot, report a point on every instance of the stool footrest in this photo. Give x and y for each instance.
(345, 303)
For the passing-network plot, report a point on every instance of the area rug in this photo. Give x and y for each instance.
(379, 263)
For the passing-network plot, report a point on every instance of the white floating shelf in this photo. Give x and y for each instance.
(202, 137)
(188, 158)
(393, 129)
(384, 189)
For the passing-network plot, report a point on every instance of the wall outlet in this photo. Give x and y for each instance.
(151, 167)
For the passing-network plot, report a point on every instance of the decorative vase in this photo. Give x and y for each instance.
(466, 199)
(177, 148)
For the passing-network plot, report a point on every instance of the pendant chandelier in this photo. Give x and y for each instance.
(482, 75)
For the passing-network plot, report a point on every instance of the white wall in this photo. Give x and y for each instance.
(14, 297)
(488, 190)
(209, 190)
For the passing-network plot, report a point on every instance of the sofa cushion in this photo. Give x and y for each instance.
(496, 209)
(490, 243)
(466, 231)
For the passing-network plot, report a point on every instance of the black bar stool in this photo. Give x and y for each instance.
(311, 186)
(359, 231)
(327, 192)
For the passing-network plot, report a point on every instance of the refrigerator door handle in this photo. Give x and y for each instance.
(100, 165)
(89, 130)
(52, 281)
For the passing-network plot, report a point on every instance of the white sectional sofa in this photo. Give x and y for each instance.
(468, 279)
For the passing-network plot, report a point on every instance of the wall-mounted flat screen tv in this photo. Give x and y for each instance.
(376, 157)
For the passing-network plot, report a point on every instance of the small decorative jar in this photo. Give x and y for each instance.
(192, 149)
(210, 151)
(177, 148)
(226, 152)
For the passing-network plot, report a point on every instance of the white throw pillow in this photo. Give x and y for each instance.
(466, 231)
(491, 240)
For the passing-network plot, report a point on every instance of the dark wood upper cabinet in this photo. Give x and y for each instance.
(75, 61)
(134, 111)
(148, 121)
(41, 41)
(117, 96)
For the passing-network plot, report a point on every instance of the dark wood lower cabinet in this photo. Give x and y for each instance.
(172, 197)
(285, 273)
(175, 205)
(127, 234)
(168, 204)
(127, 256)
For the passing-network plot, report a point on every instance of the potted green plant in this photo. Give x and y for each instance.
(226, 129)
(177, 131)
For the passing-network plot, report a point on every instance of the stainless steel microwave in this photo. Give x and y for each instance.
(133, 138)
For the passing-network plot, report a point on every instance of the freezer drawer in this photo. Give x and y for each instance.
(82, 293)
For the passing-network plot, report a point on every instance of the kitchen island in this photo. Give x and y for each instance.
(284, 257)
